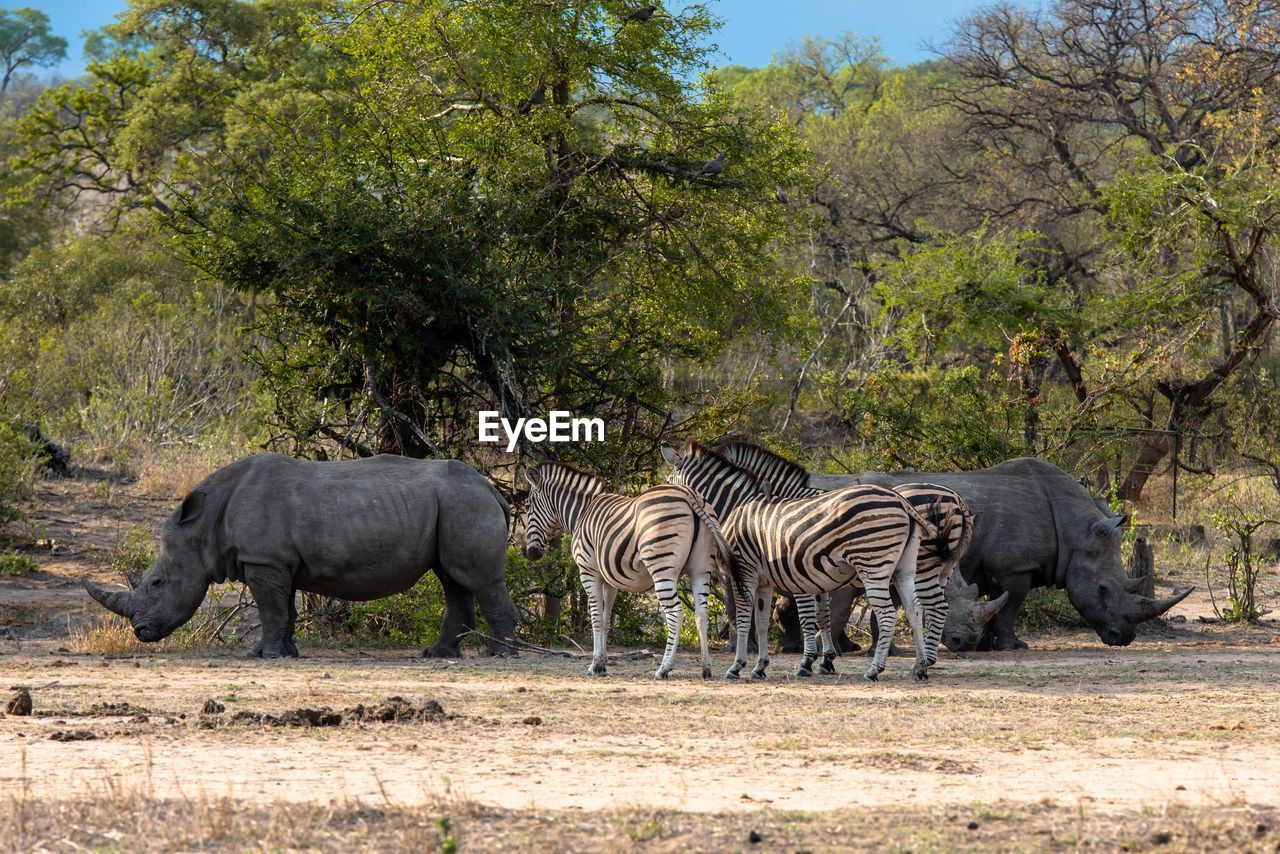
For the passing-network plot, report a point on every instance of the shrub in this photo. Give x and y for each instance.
(1244, 565)
(17, 471)
(409, 618)
(1049, 608)
(14, 564)
(135, 553)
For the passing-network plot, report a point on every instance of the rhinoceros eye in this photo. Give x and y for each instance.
(157, 582)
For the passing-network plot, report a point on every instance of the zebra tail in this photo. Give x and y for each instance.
(725, 560)
(929, 531)
(962, 515)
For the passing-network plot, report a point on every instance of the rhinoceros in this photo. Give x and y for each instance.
(359, 529)
(1036, 526)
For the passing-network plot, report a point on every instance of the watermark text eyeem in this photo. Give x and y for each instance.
(559, 426)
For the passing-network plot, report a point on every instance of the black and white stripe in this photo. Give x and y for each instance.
(810, 546)
(635, 543)
(938, 558)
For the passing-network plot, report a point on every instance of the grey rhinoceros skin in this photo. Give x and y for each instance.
(1036, 526)
(358, 529)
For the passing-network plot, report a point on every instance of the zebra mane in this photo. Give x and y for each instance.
(552, 466)
(697, 450)
(791, 468)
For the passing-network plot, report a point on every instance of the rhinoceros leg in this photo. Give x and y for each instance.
(500, 613)
(290, 648)
(272, 590)
(459, 619)
(999, 635)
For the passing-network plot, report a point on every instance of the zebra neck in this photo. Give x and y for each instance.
(575, 505)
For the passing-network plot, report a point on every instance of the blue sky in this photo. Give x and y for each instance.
(753, 30)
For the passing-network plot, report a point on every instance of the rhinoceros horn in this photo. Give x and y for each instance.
(1147, 609)
(117, 601)
(988, 610)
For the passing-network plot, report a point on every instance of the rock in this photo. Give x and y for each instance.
(311, 717)
(532, 720)
(1161, 837)
(973, 825)
(72, 735)
(212, 707)
(19, 703)
(753, 837)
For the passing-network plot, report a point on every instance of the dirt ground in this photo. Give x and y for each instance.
(1171, 742)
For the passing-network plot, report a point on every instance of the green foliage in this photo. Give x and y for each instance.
(113, 341)
(410, 618)
(135, 554)
(14, 564)
(26, 42)
(1244, 565)
(432, 250)
(1048, 608)
(931, 420)
(17, 469)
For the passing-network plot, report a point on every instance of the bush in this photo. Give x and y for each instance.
(1244, 565)
(411, 618)
(14, 564)
(17, 471)
(135, 554)
(1047, 608)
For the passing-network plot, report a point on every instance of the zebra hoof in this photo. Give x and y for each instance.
(732, 675)
(931, 660)
(872, 675)
(758, 675)
(803, 671)
(706, 673)
(661, 675)
(826, 668)
(920, 674)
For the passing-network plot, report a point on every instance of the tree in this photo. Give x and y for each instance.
(498, 206)
(25, 40)
(1069, 97)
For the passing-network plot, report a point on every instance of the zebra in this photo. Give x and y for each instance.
(938, 558)
(635, 543)
(809, 546)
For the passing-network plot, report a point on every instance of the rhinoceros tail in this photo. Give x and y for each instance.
(502, 502)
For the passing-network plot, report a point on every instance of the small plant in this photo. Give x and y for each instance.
(14, 564)
(135, 554)
(448, 843)
(1244, 565)
(17, 471)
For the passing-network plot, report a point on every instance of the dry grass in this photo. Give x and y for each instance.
(172, 472)
(138, 821)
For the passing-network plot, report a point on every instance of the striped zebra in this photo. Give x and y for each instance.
(809, 546)
(938, 558)
(635, 543)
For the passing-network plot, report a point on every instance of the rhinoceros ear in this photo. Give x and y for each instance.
(191, 507)
(671, 455)
(1103, 527)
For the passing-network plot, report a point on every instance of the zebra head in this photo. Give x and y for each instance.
(557, 496)
(722, 484)
(786, 478)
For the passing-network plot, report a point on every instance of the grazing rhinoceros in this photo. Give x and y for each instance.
(359, 529)
(1036, 526)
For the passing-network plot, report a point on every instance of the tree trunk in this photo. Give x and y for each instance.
(1142, 564)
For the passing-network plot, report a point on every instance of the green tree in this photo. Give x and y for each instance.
(499, 206)
(25, 40)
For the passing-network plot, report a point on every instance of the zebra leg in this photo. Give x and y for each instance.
(673, 613)
(701, 600)
(885, 617)
(829, 648)
(934, 602)
(742, 624)
(807, 607)
(593, 585)
(763, 601)
(904, 579)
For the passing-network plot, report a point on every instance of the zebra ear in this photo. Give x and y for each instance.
(766, 488)
(671, 455)
(531, 477)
